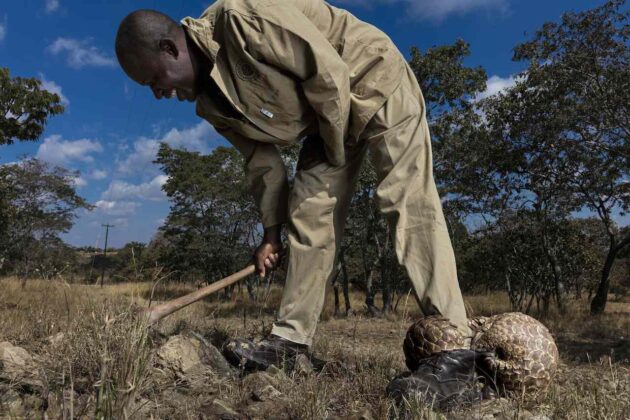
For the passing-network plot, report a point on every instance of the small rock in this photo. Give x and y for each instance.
(18, 366)
(303, 365)
(539, 417)
(56, 339)
(256, 381)
(261, 386)
(276, 409)
(212, 357)
(180, 353)
(266, 393)
(192, 356)
(222, 410)
(276, 372)
(14, 360)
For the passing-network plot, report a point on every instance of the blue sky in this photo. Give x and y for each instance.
(111, 128)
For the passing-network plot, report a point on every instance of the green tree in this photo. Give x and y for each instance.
(6, 214)
(24, 110)
(575, 100)
(212, 224)
(40, 203)
(128, 263)
(555, 143)
(50, 257)
(445, 81)
(509, 255)
(24, 107)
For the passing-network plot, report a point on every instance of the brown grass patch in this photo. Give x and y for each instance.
(102, 367)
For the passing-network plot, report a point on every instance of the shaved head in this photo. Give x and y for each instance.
(141, 31)
(155, 51)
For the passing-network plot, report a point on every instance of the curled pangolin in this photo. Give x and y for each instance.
(523, 355)
(430, 335)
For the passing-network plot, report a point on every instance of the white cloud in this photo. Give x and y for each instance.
(152, 190)
(496, 85)
(120, 222)
(80, 53)
(52, 6)
(139, 160)
(79, 182)
(3, 28)
(53, 87)
(436, 10)
(117, 208)
(58, 151)
(98, 174)
(145, 149)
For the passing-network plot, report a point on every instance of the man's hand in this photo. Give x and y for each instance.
(268, 253)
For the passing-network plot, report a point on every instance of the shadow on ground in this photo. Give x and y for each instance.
(581, 350)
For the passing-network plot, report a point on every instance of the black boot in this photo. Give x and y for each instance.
(447, 379)
(272, 350)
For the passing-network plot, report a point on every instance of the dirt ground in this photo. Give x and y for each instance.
(89, 357)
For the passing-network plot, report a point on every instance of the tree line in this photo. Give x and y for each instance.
(533, 180)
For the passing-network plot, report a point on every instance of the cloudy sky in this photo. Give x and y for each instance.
(112, 128)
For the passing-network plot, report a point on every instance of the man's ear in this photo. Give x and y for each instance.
(168, 46)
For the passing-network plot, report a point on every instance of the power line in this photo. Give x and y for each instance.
(106, 226)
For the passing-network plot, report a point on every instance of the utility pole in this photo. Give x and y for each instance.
(106, 226)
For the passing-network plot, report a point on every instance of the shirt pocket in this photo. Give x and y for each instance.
(275, 98)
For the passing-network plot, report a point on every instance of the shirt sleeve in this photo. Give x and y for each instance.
(265, 174)
(286, 39)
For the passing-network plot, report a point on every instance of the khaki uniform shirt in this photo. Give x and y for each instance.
(286, 69)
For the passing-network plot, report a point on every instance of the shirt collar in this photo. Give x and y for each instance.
(201, 31)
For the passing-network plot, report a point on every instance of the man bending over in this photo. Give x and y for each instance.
(269, 73)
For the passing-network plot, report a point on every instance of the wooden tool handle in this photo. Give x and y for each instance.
(158, 312)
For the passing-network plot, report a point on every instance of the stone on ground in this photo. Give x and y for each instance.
(185, 355)
(222, 410)
(303, 365)
(18, 366)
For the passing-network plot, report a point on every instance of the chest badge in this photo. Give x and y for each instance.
(246, 71)
(266, 113)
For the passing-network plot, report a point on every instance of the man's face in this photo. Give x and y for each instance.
(167, 74)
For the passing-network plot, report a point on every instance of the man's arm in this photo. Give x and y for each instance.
(281, 36)
(265, 174)
(267, 182)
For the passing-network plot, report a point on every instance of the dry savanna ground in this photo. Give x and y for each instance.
(80, 353)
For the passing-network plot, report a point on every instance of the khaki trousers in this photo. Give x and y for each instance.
(399, 144)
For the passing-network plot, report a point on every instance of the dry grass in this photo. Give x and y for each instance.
(90, 346)
(104, 365)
